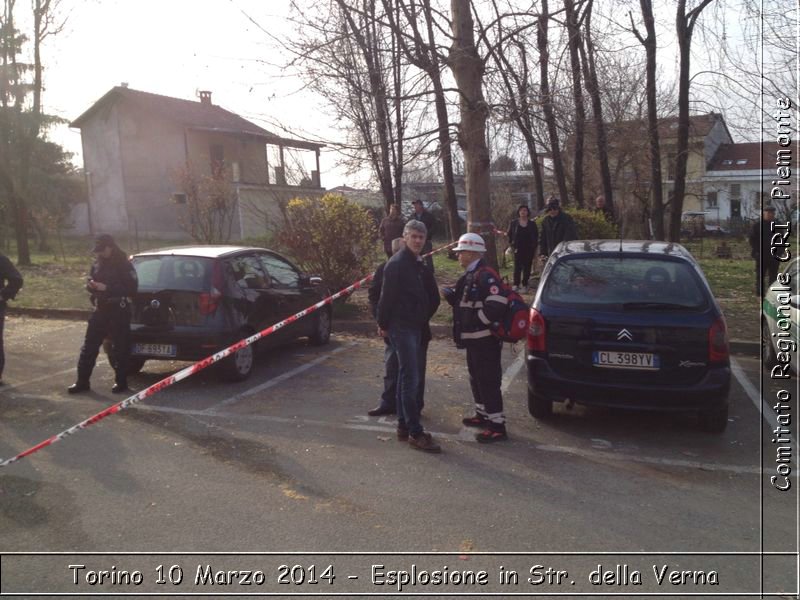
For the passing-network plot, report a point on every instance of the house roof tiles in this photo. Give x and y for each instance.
(744, 157)
(189, 113)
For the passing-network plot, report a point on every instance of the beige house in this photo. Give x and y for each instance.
(136, 144)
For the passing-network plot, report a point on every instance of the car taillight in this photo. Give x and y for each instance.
(718, 349)
(537, 332)
(209, 301)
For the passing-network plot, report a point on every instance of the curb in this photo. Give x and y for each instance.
(362, 327)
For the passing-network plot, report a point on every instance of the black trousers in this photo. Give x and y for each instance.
(522, 266)
(485, 376)
(111, 321)
(768, 269)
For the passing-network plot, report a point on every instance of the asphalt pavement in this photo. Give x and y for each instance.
(287, 466)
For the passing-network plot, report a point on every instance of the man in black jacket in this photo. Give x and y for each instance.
(10, 284)
(761, 250)
(557, 227)
(112, 283)
(408, 299)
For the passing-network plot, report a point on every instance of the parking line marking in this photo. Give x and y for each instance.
(9, 388)
(277, 380)
(752, 392)
(512, 371)
(467, 436)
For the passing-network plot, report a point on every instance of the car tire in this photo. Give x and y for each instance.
(715, 420)
(135, 364)
(239, 365)
(322, 328)
(767, 349)
(539, 406)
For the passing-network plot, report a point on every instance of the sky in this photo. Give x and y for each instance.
(176, 48)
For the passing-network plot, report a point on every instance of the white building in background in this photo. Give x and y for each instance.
(737, 179)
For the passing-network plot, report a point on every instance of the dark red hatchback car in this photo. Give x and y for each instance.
(628, 324)
(194, 301)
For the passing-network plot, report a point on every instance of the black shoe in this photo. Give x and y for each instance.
(489, 436)
(379, 411)
(118, 388)
(475, 421)
(78, 387)
(402, 434)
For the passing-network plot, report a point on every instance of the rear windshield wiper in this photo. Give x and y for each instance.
(655, 305)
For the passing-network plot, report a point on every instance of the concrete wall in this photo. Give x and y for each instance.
(153, 151)
(103, 164)
(260, 208)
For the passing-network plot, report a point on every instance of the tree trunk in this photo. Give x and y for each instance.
(684, 26)
(577, 97)
(649, 43)
(547, 102)
(468, 69)
(593, 87)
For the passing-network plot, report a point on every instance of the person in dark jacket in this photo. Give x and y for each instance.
(523, 237)
(391, 228)
(112, 283)
(557, 227)
(477, 302)
(10, 284)
(407, 302)
(761, 250)
(388, 404)
(420, 214)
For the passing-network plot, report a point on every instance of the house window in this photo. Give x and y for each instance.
(735, 190)
(217, 153)
(670, 166)
(711, 199)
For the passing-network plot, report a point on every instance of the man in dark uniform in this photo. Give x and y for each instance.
(760, 249)
(422, 215)
(10, 284)
(112, 283)
(478, 301)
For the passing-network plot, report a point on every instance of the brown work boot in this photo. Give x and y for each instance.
(424, 441)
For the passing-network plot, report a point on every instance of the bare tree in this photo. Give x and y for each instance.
(649, 43)
(684, 27)
(210, 205)
(468, 69)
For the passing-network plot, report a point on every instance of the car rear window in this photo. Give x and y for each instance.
(184, 273)
(620, 283)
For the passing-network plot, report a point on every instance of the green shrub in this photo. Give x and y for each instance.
(331, 237)
(590, 225)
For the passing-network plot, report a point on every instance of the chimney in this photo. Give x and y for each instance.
(124, 84)
(205, 97)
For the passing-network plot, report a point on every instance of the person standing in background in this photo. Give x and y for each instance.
(391, 228)
(523, 237)
(10, 283)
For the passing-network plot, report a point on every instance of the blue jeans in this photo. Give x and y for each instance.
(389, 395)
(407, 343)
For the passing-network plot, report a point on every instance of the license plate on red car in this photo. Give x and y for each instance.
(168, 350)
(612, 359)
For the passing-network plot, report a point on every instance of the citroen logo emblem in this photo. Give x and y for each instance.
(155, 304)
(624, 334)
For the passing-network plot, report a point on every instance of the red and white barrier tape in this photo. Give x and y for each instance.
(194, 368)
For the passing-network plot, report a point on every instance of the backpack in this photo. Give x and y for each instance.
(513, 327)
